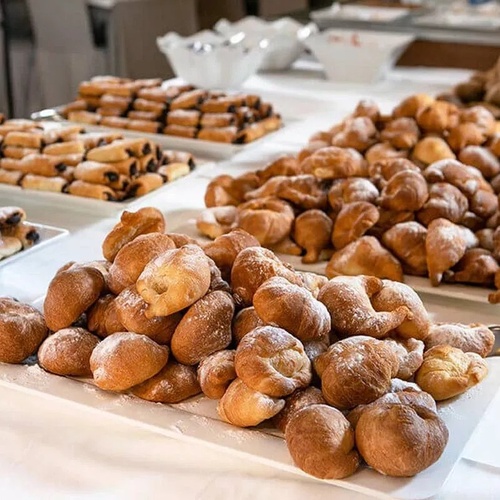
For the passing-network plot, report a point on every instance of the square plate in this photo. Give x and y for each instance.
(48, 236)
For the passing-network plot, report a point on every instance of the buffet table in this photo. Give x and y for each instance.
(52, 450)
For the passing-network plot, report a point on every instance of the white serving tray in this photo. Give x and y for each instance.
(195, 421)
(48, 235)
(183, 222)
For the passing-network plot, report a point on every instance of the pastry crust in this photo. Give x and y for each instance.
(244, 322)
(352, 222)
(217, 221)
(96, 173)
(90, 190)
(102, 317)
(405, 191)
(312, 231)
(216, 372)
(410, 353)
(334, 163)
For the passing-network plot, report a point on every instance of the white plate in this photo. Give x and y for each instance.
(195, 421)
(360, 13)
(183, 222)
(48, 235)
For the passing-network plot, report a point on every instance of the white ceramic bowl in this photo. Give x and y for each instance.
(357, 56)
(285, 38)
(210, 60)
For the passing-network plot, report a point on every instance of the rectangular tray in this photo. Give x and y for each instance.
(48, 236)
(196, 421)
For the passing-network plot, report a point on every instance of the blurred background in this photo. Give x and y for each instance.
(49, 46)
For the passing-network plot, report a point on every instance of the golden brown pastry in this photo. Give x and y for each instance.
(410, 353)
(17, 153)
(26, 233)
(356, 371)
(447, 371)
(65, 148)
(145, 184)
(132, 224)
(35, 164)
(125, 359)
(477, 266)
(321, 442)
(127, 167)
(172, 384)
(216, 221)
(406, 241)
(358, 133)
(352, 222)
(402, 133)
(481, 158)
(293, 308)
(102, 317)
(285, 165)
(204, 329)
(475, 337)
(365, 256)
(96, 173)
(400, 440)
(9, 245)
(431, 149)
(388, 219)
(382, 151)
(89, 190)
(445, 245)
(220, 192)
(268, 219)
(394, 295)
(71, 292)
(410, 106)
(108, 153)
(67, 352)
(216, 372)
(465, 134)
(174, 171)
(438, 117)
(483, 203)
(24, 140)
(445, 201)
(252, 267)
(384, 169)
(245, 407)
(22, 330)
(245, 321)
(272, 361)
(404, 191)
(369, 108)
(11, 177)
(185, 270)
(351, 190)
(312, 230)
(335, 163)
(480, 116)
(11, 216)
(347, 299)
(131, 311)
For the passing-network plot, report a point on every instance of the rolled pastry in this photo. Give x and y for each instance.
(184, 117)
(109, 112)
(12, 177)
(96, 173)
(148, 116)
(24, 140)
(146, 105)
(252, 132)
(65, 148)
(71, 160)
(11, 216)
(26, 233)
(180, 131)
(115, 121)
(222, 134)
(78, 105)
(121, 184)
(210, 120)
(170, 156)
(88, 190)
(148, 163)
(91, 101)
(128, 167)
(69, 174)
(41, 183)
(144, 126)
(9, 246)
(115, 102)
(158, 94)
(108, 153)
(190, 99)
(226, 104)
(84, 117)
(145, 184)
(173, 171)
(37, 164)
(271, 123)
(17, 153)
(137, 147)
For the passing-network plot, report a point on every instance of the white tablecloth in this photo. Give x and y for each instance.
(49, 450)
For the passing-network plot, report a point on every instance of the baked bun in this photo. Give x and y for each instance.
(132, 224)
(410, 106)
(347, 299)
(352, 222)
(476, 337)
(446, 201)
(244, 407)
(174, 280)
(321, 442)
(216, 372)
(22, 330)
(431, 149)
(245, 321)
(125, 359)
(335, 163)
(404, 191)
(312, 231)
(294, 403)
(102, 317)
(224, 249)
(272, 361)
(133, 257)
(131, 312)
(216, 221)
(172, 384)
(448, 371)
(393, 295)
(204, 329)
(182, 239)
(400, 440)
(71, 292)
(410, 353)
(67, 352)
(293, 308)
(356, 371)
(252, 267)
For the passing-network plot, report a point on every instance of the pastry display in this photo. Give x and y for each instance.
(349, 369)
(104, 166)
(16, 234)
(411, 192)
(178, 110)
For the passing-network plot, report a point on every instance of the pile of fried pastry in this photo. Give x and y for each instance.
(412, 192)
(180, 110)
(483, 88)
(15, 233)
(350, 369)
(98, 165)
